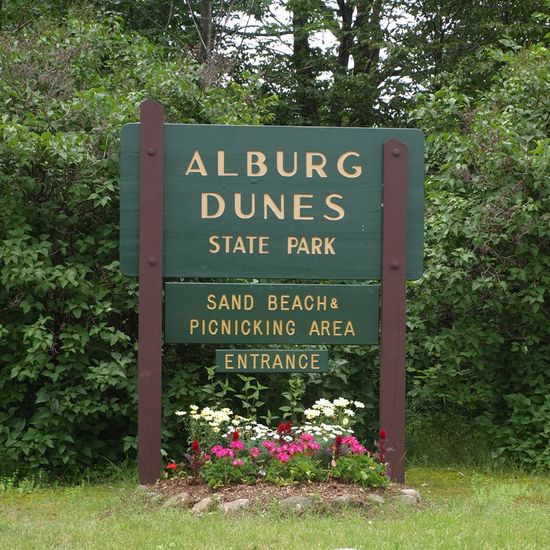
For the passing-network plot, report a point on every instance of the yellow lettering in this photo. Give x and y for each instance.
(255, 159)
(333, 206)
(277, 362)
(279, 211)
(315, 167)
(298, 207)
(211, 299)
(281, 165)
(315, 361)
(349, 329)
(314, 329)
(356, 169)
(204, 205)
(239, 209)
(292, 242)
(200, 169)
(213, 240)
(229, 361)
(221, 165)
(271, 302)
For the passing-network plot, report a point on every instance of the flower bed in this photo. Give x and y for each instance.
(226, 448)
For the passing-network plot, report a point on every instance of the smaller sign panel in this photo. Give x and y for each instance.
(256, 361)
(271, 314)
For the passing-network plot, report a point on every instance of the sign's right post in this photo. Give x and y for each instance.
(393, 309)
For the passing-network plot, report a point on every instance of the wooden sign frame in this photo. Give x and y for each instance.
(393, 296)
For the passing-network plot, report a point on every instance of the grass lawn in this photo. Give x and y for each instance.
(460, 509)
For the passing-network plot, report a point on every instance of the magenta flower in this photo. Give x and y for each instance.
(238, 445)
(254, 452)
(283, 457)
(270, 446)
(237, 462)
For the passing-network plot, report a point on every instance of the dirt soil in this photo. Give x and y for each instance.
(265, 492)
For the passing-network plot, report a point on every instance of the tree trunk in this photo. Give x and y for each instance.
(206, 30)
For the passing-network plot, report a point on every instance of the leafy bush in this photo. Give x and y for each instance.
(67, 316)
(226, 470)
(300, 467)
(478, 324)
(360, 468)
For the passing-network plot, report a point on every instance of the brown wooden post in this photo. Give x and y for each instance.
(392, 330)
(151, 209)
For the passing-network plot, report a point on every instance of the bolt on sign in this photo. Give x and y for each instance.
(331, 204)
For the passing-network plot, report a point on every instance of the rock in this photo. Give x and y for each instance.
(296, 503)
(236, 505)
(411, 492)
(146, 491)
(377, 499)
(181, 499)
(345, 500)
(407, 499)
(202, 505)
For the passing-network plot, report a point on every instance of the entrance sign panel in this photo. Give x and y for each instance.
(271, 361)
(276, 314)
(272, 202)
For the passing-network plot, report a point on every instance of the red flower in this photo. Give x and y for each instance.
(338, 440)
(284, 427)
(172, 466)
(382, 433)
(236, 436)
(195, 446)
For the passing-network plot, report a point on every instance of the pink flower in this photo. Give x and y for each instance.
(358, 449)
(314, 446)
(306, 437)
(238, 445)
(349, 440)
(237, 462)
(254, 452)
(207, 457)
(283, 457)
(270, 446)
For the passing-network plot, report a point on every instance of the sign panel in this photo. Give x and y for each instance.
(272, 202)
(271, 361)
(266, 313)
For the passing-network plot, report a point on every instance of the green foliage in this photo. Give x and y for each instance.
(67, 315)
(295, 392)
(18, 485)
(478, 323)
(221, 471)
(360, 468)
(300, 468)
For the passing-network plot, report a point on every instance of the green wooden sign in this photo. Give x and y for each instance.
(267, 313)
(271, 361)
(272, 202)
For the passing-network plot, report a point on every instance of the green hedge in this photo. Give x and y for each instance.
(67, 316)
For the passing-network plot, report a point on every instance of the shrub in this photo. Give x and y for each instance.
(478, 324)
(360, 468)
(67, 316)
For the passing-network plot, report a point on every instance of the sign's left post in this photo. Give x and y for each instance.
(151, 211)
